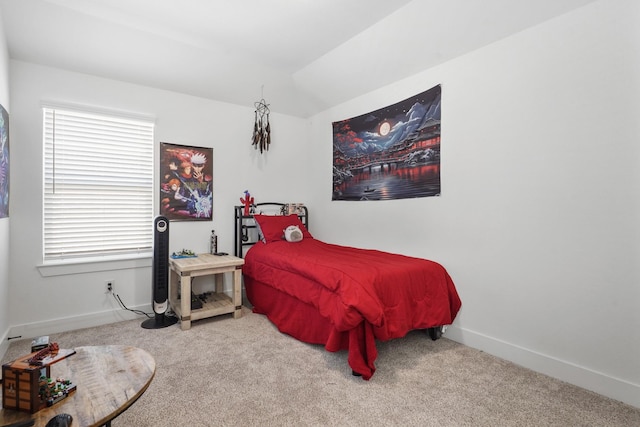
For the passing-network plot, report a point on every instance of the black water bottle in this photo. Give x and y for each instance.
(213, 244)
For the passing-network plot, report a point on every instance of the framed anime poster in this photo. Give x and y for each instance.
(390, 153)
(186, 182)
(4, 163)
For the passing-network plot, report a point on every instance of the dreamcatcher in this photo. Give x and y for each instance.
(261, 128)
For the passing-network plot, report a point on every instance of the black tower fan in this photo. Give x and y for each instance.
(160, 281)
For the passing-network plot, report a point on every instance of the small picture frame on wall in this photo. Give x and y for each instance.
(186, 182)
(4, 163)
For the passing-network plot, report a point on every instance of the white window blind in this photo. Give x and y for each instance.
(98, 185)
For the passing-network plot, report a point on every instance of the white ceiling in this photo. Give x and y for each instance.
(302, 56)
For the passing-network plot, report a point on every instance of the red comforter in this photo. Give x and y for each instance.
(359, 295)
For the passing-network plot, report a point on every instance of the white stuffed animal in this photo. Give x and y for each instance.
(292, 233)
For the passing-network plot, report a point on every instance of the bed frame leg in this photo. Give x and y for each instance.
(435, 333)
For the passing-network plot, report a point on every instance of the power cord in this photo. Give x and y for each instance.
(140, 312)
(169, 313)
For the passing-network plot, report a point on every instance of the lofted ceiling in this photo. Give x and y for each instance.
(302, 56)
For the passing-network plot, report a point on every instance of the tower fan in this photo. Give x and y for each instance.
(160, 276)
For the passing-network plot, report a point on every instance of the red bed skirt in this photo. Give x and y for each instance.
(303, 322)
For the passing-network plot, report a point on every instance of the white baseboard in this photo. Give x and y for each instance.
(597, 382)
(4, 344)
(64, 324)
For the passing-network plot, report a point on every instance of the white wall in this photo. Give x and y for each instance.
(43, 305)
(4, 222)
(538, 218)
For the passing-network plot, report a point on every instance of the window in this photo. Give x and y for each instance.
(98, 185)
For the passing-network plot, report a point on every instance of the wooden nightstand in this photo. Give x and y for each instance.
(181, 272)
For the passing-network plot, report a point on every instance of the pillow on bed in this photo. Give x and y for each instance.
(272, 226)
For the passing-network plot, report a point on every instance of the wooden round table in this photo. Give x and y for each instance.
(109, 379)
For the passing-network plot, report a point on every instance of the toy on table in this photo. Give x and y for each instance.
(185, 253)
(27, 382)
(50, 350)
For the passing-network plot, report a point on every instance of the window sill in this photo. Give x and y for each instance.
(93, 265)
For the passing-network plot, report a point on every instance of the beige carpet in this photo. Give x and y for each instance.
(243, 372)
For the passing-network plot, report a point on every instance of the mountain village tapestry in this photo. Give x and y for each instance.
(390, 153)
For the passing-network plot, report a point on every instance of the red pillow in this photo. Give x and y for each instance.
(272, 226)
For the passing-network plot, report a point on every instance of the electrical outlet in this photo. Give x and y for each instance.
(109, 286)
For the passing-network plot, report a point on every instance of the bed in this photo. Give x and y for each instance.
(341, 297)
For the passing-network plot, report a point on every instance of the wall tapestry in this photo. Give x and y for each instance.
(390, 153)
(186, 182)
(4, 163)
